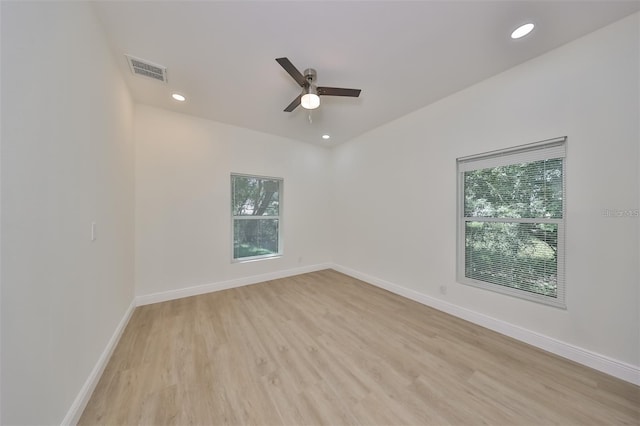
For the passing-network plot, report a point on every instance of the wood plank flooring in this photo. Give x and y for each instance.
(326, 349)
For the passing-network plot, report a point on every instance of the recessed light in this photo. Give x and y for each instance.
(326, 137)
(522, 31)
(178, 97)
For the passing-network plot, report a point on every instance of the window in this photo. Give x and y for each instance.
(511, 221)
(256, 202)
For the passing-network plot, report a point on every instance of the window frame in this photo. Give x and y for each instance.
(248, 217)
(547, 149)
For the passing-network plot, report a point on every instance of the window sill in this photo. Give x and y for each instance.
(256, 258)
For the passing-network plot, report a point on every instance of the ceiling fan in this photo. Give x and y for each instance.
(310, 96)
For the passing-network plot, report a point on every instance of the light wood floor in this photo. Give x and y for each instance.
(324, 348)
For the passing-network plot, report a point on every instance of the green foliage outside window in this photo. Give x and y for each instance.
(256, 216)
(510, 232)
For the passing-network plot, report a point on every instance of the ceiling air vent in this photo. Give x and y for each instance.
(147, 69)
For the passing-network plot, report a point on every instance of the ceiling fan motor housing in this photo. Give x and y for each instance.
(310, 74)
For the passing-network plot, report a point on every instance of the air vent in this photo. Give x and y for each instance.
(147, 69)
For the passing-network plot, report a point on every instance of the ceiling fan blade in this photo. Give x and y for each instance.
(337, 91)
(293, 105)
(292, 70)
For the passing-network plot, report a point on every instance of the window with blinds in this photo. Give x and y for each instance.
(511, 221)
(256, 204)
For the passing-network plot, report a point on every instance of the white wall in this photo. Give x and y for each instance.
(67, 160)
(183, 211)
(387, 199)
(395, 188)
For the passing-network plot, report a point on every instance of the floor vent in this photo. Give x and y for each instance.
(147, 69)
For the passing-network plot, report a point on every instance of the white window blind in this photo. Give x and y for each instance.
(511, 221)
(256, 204)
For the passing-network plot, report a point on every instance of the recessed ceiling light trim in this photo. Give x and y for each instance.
(325, 136)
(522, 30)
(178, 97)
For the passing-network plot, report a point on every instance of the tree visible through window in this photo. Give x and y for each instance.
(512, 222)
(255, 204)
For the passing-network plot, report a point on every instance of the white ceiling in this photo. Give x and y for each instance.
(404, 55)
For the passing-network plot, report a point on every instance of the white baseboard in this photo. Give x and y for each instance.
(164, 296)
(605, 364)
(78, 406)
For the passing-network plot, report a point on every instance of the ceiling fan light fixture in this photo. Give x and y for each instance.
(310, 98)
(310, 101)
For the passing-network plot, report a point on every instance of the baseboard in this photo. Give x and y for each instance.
(80, 403)
(164, 296)
(605, 364)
